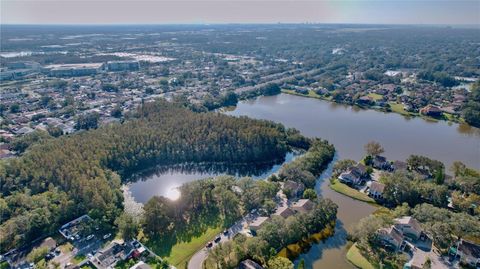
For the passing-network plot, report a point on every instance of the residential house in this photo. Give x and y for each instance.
(399, 166)
(284, 212)
(376, 190)
(49, 243)
(354, 175)
(141, 265)
(258, 223)
(380, 162)
(469, 253)
(409, 226)
(392, 237)
(113, 253)
(303, 205)
(293, 189)
(431, 110)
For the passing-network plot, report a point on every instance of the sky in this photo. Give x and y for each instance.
(239, 11)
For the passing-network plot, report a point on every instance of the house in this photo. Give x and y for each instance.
(391, 237)
(431, 110)
(49, 243)
(141, 265)
(469, 253)
(249, 264)
(303, 205)
(409, 227)
(365, 100)
(284, 212)
(376, 190)
(258, 223)
(354, 175)
(294, 189)
(113, 253)
(380, 162)
(399, 166)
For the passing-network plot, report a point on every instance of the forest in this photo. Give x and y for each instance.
(57, 179)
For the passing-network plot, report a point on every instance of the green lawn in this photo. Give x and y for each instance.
(181, 252)
(339, 187)
(311, 94)
(78, 259)
(355, 257)
(398, 108)
(375, 96)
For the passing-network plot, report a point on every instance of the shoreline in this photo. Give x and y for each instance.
(449, 119)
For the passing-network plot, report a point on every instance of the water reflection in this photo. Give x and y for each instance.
(164, 180)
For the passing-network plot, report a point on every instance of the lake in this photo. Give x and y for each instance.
(349, 129)
(164, 180)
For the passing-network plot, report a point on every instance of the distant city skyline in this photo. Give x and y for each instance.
(240, 11)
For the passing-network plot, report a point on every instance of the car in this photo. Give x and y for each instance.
(136, 244)
(225, 232)
(49, 256)
(57, 251)
(90, 237)
(217, 239)
(77, 237)
(89, 256)
(107, 236)
(209, 244)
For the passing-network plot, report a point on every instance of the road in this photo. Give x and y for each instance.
(277, 81)
(198, 258)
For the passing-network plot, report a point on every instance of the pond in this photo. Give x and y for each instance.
(349, 129)
(164, 180)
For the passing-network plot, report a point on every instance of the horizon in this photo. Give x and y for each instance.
(204, 12)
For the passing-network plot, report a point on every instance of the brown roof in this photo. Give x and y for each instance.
(377, 187)
(284, 211)
(412, 222)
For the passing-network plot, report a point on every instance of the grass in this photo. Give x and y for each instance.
(356, 258)
(398, 108)
(311, 94)
(182, 251)
(339, 187)
(78, 259)
(375, 96)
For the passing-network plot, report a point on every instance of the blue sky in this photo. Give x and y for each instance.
(239, 11)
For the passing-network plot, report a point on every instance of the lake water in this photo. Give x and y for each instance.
(349, 128)
(164, 181)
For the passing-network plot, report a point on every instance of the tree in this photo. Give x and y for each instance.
(310, 194)
(279, 263)
(373, 148)
(127, 226)
(15, 108)
(342, 166)
(109, 87)
(271, 89)
(54, 131)
(87, 121)
(116, 112)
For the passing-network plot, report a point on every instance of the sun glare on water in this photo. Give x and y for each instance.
(173, 194)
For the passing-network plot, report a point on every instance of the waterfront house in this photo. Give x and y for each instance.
(391, 237)
(409, 227)
(294, 189)
(284, 212)
(380, 162)
(376, 190)
(355, 175)
(303, 205)
(399, 166)
(431, 110)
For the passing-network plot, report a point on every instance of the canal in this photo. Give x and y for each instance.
(349, 129)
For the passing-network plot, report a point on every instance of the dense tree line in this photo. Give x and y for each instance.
(83, 170)
(274, 235)
(471, 111)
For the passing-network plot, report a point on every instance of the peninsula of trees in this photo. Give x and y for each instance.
(57, 179)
